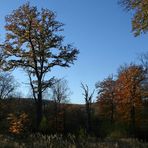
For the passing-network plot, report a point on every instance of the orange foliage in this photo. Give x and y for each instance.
(106, 98)
(122, 98)
(128, 91)
(17, 123)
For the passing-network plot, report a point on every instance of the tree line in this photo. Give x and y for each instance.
(121, 99)
(33, 42)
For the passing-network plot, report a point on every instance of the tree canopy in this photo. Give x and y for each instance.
(140, 15)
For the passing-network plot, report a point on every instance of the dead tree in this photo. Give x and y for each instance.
(88, 103)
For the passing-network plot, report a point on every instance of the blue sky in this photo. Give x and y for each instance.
(100, 29)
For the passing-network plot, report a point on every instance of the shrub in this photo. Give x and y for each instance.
(17, 123)
(43, 124)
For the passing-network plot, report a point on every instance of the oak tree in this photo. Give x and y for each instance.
(129, 95)
(34, 43)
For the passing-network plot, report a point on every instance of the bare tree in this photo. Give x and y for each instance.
(88, 102)
(60, 91)
(60, 96)
(144, 63)
(7, 85)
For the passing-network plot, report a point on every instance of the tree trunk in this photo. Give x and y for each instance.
(133, 119)
(89, 126)
(64, 120)
(89, 122)
(56, 116)
(112, 112)
(39, 111)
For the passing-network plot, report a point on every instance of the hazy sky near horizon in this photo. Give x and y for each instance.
(100, 29)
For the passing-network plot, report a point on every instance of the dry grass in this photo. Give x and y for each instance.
(58, 141)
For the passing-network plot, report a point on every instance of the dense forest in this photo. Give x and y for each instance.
(118, 117)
